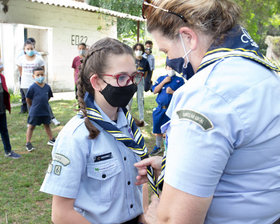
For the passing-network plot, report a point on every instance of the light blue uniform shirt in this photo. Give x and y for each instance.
(238, 159)
(99, 173)
(151, 59)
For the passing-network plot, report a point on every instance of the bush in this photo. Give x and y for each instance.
(14, 97)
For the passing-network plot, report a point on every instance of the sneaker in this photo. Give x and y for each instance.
(55, 122)
(51, 142)
(13, 155)
(29, 147)
(155, 151)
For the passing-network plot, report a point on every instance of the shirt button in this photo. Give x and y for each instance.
(103, 175)
(124, 158)
(131, 206)
(128, 182)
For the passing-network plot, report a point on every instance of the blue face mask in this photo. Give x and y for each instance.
(176, 64)
(30, 53)
(82, 52)
(40, 79)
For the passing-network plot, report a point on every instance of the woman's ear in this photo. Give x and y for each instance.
(190, 36)
(96, 82)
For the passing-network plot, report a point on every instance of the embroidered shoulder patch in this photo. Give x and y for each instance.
(50, 167)
(57, 170)
(61, 159)
(197, 118)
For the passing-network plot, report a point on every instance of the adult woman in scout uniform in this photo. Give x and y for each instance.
(223, 160)
(92, 176)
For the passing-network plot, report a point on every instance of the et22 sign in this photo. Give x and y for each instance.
(76, 39)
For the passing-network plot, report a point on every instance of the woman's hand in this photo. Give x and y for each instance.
(154, 162)
(151, 214)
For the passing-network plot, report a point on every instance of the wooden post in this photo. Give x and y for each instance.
(138, 31)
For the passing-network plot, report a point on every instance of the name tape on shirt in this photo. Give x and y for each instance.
(103, 157)
(197, 118)
(61, 159)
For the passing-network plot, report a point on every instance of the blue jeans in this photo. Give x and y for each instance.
(4, 133)
(23, 108)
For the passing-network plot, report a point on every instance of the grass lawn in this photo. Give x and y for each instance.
(20, 180)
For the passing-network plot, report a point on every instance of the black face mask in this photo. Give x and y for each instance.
(177, 65)
(118, 96)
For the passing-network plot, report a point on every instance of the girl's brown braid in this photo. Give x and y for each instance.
(93, 131)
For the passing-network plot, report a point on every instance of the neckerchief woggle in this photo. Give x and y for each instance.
(238, 43)
(136, 144)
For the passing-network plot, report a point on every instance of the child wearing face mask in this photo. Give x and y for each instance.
(23, 108)
(26, 63)
(151, 59)
(165, 86)
(92, 176)
(77, 62)
(142, 65)
(37, 98)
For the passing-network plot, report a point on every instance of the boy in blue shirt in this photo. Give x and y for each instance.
(37, 98)
(165, 86)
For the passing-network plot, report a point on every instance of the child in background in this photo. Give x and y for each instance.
(77, 62)
(37, 98)
(165, 86)
(151, 59)
(23, 108)
(5, 105)
(26, 63)
(142, 65)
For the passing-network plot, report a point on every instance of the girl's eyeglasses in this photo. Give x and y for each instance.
(146, 10)
(123, 79)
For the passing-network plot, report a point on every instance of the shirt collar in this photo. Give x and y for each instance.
(121, 121)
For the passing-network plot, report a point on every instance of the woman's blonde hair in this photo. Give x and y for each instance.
(212, 17)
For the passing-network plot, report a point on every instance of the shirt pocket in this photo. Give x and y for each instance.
(104, 176)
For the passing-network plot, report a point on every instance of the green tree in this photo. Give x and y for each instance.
(261, 18)
(127, 29)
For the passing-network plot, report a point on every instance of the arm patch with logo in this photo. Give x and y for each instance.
(61, 159)
(197, 118)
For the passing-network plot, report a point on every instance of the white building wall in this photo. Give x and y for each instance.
(65, 28)
(10, 45)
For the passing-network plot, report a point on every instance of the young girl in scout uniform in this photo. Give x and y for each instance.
(92, 176)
